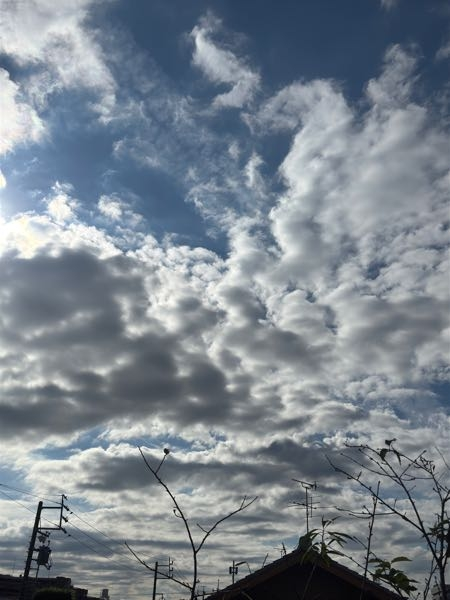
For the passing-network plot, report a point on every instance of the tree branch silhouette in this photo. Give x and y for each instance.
(393, 466)
(179, 513)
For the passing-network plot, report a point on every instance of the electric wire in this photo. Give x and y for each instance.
(85, 544)
(110, 560)
(71, 525)
(70, 512)
(16, 501)
(111, 550)
(115, 541)
(178, 575)
(133, 568)
(137, 571)
(43, 518)
(10, 487)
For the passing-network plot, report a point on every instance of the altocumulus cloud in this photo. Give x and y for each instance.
(326, 315)
(221, 65)
(64, 53)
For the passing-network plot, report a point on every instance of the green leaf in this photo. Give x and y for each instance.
(400, 559)
(339, 534)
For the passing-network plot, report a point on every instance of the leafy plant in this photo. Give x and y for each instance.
(396, 578)
(412, 477)
(323, 542)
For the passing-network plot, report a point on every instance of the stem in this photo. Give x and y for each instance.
(404, 475)
(369, 539)
(195, 549)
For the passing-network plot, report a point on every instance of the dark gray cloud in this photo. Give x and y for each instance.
(43, 298)
(67, 313)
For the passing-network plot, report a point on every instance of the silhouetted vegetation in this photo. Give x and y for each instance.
(399, 484)
(196, 547)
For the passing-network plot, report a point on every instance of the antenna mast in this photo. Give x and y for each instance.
(308, 504)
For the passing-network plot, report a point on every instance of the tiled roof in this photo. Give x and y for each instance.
(278, 567)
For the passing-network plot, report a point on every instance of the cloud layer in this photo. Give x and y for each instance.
(323, 316)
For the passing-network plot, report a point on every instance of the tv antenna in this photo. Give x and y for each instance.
(308, 503)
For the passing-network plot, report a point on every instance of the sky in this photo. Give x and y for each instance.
(224, 231)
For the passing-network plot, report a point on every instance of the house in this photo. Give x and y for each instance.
(13, 588)
(294, 578)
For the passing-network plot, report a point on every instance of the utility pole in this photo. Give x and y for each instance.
(155, 575)
(233, 570)
(33, 540)
(43, 551)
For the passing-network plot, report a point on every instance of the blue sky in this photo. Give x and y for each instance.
(224, 229)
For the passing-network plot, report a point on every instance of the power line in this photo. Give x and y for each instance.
(85, 544)
(113, 551)
(51, 522)
(91, 537)
(110, 560)
(10, 487)
(16, 501)
(92, 526)
(75, 538)
(120, 566)
(115, 541)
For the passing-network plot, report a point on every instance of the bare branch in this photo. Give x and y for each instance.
(147, 566)
(178, 512)
(244, 504)
(405, 472)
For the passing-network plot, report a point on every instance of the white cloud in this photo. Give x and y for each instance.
(27, 235)
(121, 215)
(223, 66)
(389, 4)
(110, 207)
(254, 179)
(60, 205)
(20, 123)
(444, 51)
(59, 48)
(393, 87)
(292, 104)
(360, 197)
